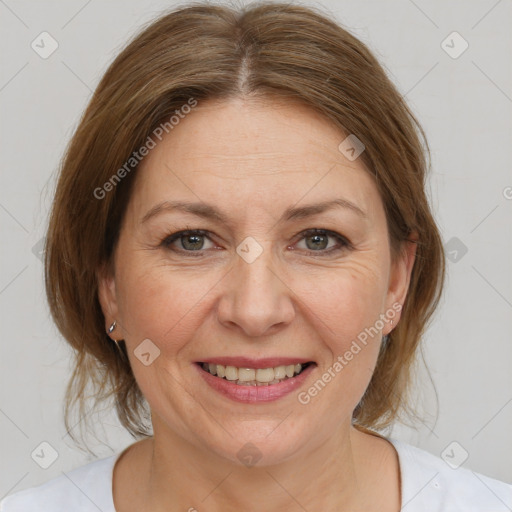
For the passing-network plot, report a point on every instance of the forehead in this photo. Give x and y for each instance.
(267, 152)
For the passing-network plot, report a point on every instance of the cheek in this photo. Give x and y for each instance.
(164, 307)
(347, 299)
(157, 303)
(346, 307)
(346, 312)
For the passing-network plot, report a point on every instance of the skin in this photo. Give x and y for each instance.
(252, 160)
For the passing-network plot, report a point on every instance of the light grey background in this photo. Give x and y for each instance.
(465, 106)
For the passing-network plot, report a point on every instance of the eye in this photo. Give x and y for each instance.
(316, 241)
(191, 240)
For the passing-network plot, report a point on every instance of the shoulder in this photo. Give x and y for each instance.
(430, 484)
(84, 489)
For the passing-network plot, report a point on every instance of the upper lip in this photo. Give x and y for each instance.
(248, 362)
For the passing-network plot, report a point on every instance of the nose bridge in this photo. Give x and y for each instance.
(257, 299)
(256, 271)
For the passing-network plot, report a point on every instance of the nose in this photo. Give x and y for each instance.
(257, 299)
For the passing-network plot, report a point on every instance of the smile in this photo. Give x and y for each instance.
(244, 376)
(249, 384)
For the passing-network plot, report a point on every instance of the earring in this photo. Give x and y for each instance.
(112, 327)
(110, 330)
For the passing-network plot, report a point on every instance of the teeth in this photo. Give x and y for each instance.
(231, 373)
(265, 374)
(280, 372)
(243, 383)
(252, 376)
(246, 374)
(221, 370)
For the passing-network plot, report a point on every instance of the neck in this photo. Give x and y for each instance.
(336, 475)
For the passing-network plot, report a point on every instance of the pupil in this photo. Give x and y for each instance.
(318, 238)
(197, 239)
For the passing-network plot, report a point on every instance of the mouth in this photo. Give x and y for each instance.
(255, 373)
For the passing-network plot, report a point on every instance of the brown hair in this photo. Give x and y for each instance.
(204, 51)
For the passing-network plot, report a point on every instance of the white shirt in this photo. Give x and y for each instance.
(428, 484)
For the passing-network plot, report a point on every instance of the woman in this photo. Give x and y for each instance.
(241, 245)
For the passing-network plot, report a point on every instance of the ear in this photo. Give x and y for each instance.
(107, 294)
(400, 277)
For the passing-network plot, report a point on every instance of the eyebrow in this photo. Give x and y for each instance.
(208, 211)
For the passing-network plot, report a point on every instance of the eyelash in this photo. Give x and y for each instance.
(342, 241)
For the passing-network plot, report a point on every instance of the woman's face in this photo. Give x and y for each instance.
(257, 284)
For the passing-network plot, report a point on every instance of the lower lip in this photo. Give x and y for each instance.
(255, 394)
